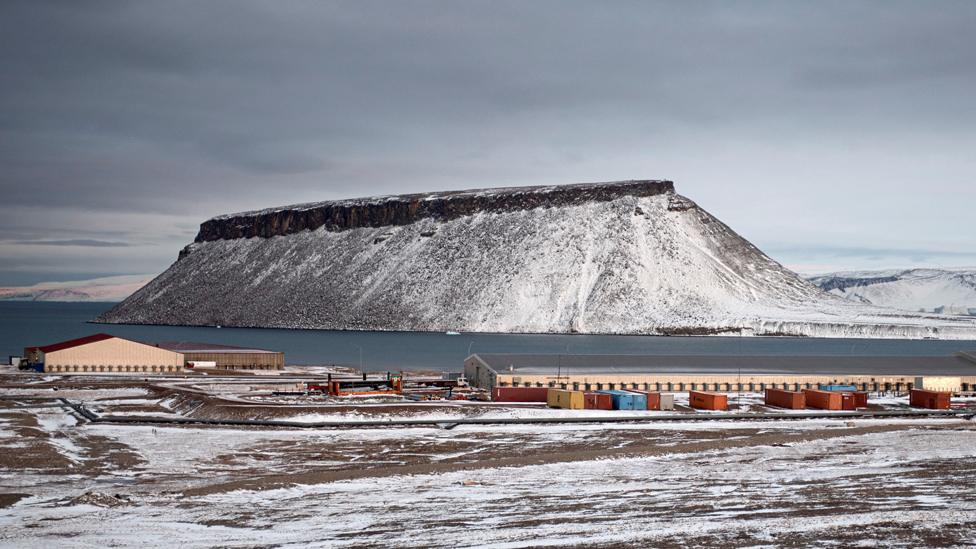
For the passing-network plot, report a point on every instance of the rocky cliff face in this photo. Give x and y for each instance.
(407, 209)
(629, 257)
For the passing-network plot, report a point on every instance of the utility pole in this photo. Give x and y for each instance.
(559, 368)
(360, 347)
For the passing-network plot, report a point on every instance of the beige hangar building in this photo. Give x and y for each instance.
(104, 353)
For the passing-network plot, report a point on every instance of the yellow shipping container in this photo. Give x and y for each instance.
(560, 398)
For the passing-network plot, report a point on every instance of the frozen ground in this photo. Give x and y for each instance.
(65, 482)
(722, 484)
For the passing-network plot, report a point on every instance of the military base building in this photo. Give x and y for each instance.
(105, 353)
(954, 373)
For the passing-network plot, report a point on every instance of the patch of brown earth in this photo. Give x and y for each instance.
(545, 455)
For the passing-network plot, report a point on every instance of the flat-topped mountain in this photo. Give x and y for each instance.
(629, 257)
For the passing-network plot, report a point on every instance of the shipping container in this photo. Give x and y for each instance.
(708, 401)
(793, 400)
(597, 401)
(823, 400)
(640, 400)
(520, 394)
(667, 401)
(849, 388)
(569, 400)
(933, 400)
(854, 400)
(622, 400)
(653, 399)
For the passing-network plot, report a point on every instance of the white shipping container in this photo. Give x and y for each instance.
(667, 401)
(198, 364)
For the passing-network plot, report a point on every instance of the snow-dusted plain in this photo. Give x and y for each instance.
(907, 487)
(632, 265)
(949, 291)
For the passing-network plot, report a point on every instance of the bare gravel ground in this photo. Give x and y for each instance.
(827, 483)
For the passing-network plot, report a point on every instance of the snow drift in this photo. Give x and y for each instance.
(628, 257)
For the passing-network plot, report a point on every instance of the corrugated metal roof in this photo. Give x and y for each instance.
(72, 343)
(196, 347)
(532, 364)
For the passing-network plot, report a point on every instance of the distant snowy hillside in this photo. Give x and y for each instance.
(111, 288)
(614, 258)
(951, 291)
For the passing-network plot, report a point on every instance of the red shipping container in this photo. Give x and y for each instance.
(597, 401)
(653, 399)
(520, 394)
(933, 400)
(793, 400)
(823, 400)
(854, 400)
(708, 401)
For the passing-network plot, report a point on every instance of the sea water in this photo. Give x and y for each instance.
(25, 324)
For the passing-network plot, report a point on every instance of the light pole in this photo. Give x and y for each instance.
(360, 347)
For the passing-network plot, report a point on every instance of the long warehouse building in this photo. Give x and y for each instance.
(105, 353)
(717, 373)
(227, 357)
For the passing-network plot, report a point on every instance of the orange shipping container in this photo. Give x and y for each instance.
(854, 400)
(653, 399)
(520, 394)
(823, 400)
(794, 400)
(597, 401)
(708, 401)
(933, 400)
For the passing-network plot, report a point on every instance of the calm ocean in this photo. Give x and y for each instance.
(36, 323)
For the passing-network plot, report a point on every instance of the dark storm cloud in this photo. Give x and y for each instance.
(832, 112)
(84, 242)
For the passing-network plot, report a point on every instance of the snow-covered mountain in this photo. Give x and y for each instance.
(109, 288)
(948, 291)
(628, 257)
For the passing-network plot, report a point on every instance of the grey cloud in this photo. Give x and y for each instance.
(188, 109)
(84, 242)
(867, 252)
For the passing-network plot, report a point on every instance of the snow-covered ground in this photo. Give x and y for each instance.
(907, 487)
(948, 291)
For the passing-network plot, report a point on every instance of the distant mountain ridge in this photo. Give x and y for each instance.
(110, 288)
(628, 257)
(942, 291)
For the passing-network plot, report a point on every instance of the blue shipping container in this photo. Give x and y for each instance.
(838, 388)
(622, 400)
(640, 400)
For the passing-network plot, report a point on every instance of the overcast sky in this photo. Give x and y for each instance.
(832, 135)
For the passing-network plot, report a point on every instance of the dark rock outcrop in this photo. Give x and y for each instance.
(409, 208)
